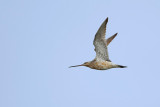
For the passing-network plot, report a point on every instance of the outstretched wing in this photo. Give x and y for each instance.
(100, 43)
(110, 39)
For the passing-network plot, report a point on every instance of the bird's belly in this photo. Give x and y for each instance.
(101, 65)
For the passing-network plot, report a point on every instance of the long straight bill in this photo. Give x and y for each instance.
(76, 66)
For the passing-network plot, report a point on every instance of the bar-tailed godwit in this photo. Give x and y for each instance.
(101, 61)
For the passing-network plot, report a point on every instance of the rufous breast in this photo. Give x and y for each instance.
(100, 65)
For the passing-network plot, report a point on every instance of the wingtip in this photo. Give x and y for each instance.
(111, 38)
(107, 19)
(115, 34)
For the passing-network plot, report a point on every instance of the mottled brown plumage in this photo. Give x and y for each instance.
(101, 61)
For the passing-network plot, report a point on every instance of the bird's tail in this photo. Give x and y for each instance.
(121, 66)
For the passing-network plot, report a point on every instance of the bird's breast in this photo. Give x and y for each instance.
(100, 65)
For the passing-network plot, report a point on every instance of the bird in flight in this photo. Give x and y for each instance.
(101, 61)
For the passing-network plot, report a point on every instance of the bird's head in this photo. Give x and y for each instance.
(86, 64)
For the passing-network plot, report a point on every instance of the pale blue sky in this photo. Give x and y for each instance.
(40, 39)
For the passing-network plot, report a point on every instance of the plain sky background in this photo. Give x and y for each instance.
(40, 39)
